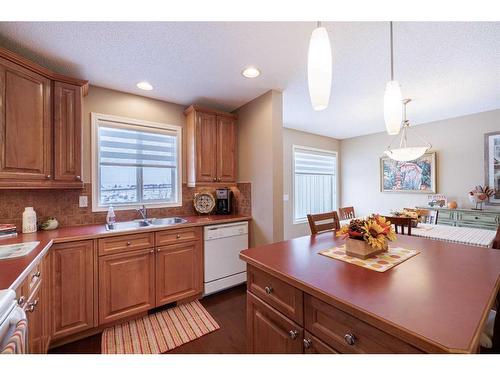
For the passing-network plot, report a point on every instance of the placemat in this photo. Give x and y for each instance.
(380, 262)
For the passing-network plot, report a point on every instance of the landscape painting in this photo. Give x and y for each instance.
(416, 176)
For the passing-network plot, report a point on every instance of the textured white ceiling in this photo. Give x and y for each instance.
(449, 69)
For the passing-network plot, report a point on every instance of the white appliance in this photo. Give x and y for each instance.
(10, 315)
(223, 267)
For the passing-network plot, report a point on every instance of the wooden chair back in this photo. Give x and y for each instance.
(346, 213)
(400, 223)
(496, 241)
(323, 222)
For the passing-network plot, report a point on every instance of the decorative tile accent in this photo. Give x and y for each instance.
(63, 204)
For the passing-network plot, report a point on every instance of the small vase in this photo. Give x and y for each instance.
(360, 249)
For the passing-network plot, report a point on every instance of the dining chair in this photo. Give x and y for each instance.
(323, 222)
(496, 241)
(346, 213)
(400, 223)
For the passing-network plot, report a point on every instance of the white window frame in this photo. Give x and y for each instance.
(130, 123)
(335, 182)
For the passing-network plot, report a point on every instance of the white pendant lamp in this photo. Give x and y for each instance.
(319, 68)
(405, 152)
(393, 110)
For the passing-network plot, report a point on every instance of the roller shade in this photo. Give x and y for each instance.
(137, 148)
(313, 162)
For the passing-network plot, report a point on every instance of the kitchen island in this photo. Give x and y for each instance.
(299, 301)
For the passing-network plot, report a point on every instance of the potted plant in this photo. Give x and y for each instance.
(367, 237)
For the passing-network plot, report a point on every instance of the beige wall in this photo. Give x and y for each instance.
(110, 102)
(458, 143)
(295, 137)
(260, 129)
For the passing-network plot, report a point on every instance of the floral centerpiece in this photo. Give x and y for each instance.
(367, 237)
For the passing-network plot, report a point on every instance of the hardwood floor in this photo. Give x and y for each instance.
(227, 308)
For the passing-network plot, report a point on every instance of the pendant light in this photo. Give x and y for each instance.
(393, 111)
(405, 152)
(319, 68)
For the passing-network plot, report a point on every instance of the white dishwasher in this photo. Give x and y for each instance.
(223, 267)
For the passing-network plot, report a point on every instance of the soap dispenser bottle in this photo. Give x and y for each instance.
(29, 220)
(111, 217)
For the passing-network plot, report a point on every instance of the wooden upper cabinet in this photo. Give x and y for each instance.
(211, 146)
(206, 144)
(25, 124)
(226, 149)
(72, 288)
(67, 132)
(40, 125)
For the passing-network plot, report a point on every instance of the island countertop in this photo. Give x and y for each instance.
(437, 301)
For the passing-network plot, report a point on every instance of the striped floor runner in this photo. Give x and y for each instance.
(159, 332)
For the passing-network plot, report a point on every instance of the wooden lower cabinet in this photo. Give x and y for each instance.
(269, 331)
(179, 272)
(126, 284)
(72, 288)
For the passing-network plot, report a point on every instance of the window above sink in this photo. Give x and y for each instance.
(134, 163)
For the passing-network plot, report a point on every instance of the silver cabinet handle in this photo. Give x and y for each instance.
(78, 178)
(158, 249)
(36, 275)
(48, 176)
(214, 179)
(350, 339)
(293, 334)
(129, 243)
(268, 289)
(178, 236)
(307, 343)
(152, 251)
(21, 300)
(32, 305)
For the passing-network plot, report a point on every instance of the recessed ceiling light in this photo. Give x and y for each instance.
(143, 85)
(251, 72)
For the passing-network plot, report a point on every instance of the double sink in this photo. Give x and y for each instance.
(141, 223)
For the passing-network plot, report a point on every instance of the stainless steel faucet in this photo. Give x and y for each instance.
(143, 212)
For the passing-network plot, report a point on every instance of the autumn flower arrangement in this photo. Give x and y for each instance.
(375, 231)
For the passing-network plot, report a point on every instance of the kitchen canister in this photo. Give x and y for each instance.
(29, 220)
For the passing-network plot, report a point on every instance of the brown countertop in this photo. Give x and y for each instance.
(12, 271)
(437, 300)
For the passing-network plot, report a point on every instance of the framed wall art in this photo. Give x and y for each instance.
(416, 176)
(492, 165)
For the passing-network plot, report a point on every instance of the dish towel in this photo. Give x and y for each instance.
(16, 344)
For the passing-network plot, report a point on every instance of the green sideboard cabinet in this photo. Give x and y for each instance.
(467, 217)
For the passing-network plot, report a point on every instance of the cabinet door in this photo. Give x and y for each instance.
(72, 284)
(226, 149)
(34, 314)
(25, 124)
(206, 147)
(179, 272)
(67, 132)
(126, 284)
(268, 331)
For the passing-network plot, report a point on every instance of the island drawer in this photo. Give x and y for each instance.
(173, 236)
(346, 333)
(128, 242)
(280, 295)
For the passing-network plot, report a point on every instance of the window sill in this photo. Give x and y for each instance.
(135, 206)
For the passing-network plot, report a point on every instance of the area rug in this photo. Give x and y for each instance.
(380, 262)
(159, 332)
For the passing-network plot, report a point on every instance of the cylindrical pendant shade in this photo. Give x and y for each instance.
(319, 69)
(393, 107)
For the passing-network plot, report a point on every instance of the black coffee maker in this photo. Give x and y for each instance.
(223, 201)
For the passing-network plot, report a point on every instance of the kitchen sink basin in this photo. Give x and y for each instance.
(137, 224)
(17, 250)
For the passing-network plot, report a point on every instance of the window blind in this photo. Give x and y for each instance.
(314, 162)
(144, 148)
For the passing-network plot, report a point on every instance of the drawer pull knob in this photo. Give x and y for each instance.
(350, 339)
(268, 289)
(158, 250)
(48, 176)
(293, 334)
(152, 251)
(178, 236)
(32, 305)
(129, 243)
(78, 178)
(21, 300)
(307, 343)
(36, 275)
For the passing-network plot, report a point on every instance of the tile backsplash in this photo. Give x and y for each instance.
(63, 204)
